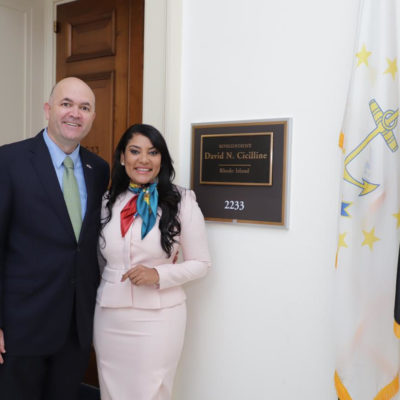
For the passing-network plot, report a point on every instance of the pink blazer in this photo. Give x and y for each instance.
(123, 253)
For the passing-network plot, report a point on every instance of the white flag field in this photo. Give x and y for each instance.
(367, 349)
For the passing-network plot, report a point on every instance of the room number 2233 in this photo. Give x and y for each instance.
(234, 205)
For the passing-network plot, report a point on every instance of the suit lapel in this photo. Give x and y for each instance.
(89, 181)
(43, 166)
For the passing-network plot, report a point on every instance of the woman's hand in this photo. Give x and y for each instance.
(142, 276)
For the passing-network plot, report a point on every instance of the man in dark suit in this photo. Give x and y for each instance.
(49, 226)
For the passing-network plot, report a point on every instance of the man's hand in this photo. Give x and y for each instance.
(2, 346)
(141, 275)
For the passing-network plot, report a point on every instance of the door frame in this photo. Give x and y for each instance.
(161, 69)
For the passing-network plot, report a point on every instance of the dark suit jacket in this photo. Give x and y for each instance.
(43, 270)
(397, 296)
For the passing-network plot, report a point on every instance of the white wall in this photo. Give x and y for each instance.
(162, 70)
(259, 325)
(21, 68)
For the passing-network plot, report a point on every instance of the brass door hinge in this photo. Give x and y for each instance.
(56, 27)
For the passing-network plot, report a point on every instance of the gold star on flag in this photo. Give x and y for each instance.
(341, 141)
(342, 242)
(397, 216)
(363, 56)
(392, 67)
(370, 238)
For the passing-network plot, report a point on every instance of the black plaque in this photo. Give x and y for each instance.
(236, 159)
(239, 171)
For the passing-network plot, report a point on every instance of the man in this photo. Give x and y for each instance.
(49, 225)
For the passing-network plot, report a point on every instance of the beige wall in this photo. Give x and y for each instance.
(21, 68)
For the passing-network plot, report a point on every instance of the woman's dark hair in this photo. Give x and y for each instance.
(168, 195)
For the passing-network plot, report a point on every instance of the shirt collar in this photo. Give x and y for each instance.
(58, 155)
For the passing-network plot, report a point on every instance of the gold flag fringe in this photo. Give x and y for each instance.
(387, 393)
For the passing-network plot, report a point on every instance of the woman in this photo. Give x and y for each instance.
(141, 313)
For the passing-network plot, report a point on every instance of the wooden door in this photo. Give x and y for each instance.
(101, 42)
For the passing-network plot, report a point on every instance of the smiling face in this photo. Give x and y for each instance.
(141, 159)
(70, 113)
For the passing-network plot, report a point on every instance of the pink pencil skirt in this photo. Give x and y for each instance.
(138, 351)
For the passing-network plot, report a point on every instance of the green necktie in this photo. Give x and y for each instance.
(71, 196)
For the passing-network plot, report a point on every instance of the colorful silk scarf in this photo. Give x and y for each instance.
(128, 214)
(144, 204)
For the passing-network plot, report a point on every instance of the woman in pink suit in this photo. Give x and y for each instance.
(141, 313)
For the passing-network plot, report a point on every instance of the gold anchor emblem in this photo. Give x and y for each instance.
(385, 123)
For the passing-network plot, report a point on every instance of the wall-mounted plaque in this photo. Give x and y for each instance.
(239, 171)
(236, 159)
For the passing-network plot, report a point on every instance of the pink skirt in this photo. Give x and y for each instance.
(138, 351)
